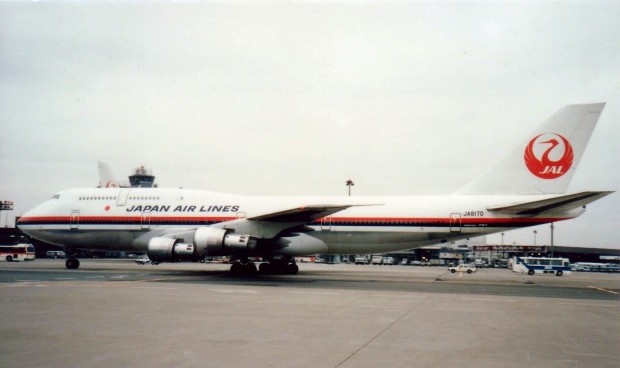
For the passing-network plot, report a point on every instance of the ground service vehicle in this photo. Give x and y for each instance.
(16, 253)
(55, 254)
(542, 265)
(463, 268)
(143, 260)
(376, 260)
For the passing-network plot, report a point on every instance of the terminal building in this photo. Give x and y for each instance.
(484, 255)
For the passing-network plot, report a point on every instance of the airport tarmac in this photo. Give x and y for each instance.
(115, 313)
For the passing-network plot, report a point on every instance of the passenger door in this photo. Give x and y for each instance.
(455, 222)
(146, 220)
(326, 223)
(74, 221)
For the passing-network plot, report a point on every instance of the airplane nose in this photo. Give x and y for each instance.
(32, 221)
(26, 221)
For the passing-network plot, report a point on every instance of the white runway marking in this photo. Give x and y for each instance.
(234, 291)
(489, 300)
(592, 305)
(314, 292)
(604, 290)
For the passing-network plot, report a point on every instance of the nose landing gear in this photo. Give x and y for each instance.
(72, 262)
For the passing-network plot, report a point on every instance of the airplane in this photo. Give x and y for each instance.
(526, 188)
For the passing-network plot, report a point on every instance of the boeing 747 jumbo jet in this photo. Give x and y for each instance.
(526, 188)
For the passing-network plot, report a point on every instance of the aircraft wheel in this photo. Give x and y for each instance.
(72, 263)
(236, 269)
(266, 268)
(292, 269)
(530, 272)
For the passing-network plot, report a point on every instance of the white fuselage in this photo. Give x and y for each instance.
(126, 218)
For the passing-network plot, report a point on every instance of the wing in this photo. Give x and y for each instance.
(269, 225)
(561, 203)
(265, 226)
(301, 215)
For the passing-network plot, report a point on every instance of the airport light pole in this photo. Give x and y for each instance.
(350, 184)
(5, 206)
(552, 227)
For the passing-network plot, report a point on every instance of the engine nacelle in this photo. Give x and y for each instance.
(239, 242)
(161, 249)
(215, 242)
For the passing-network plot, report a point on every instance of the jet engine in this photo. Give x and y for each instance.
(161, 249)
(214, 242)
(207, 241)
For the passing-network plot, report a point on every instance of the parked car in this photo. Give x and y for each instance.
(143, 261)
(469, 268)
(377, 260)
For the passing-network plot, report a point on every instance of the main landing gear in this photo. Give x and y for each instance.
(72, 262)
(282, 266)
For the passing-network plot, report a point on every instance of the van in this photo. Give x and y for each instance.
(55, 254)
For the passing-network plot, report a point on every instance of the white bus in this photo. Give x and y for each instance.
(16, 253)
(542, 265)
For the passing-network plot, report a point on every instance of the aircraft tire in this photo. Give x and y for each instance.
(266, 268)
(237, 269)
(72, 263)
(249, 268)
(292, 269)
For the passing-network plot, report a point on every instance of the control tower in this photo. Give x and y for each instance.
(142, 178)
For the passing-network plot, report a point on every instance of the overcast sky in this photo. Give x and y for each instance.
(296, 98)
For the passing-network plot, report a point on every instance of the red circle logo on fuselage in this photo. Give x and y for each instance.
(548, 156)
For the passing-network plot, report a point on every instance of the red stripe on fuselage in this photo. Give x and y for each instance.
(412, 221)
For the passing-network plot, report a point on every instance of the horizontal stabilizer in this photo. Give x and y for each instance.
(561, 203)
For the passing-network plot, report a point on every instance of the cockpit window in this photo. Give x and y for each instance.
(56, 196)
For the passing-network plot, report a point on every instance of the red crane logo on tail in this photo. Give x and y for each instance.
(548, 156)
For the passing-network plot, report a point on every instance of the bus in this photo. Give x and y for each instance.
(542, 265)
(16, 253)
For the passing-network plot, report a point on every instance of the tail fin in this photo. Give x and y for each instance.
(543, 163)
(106, 180)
